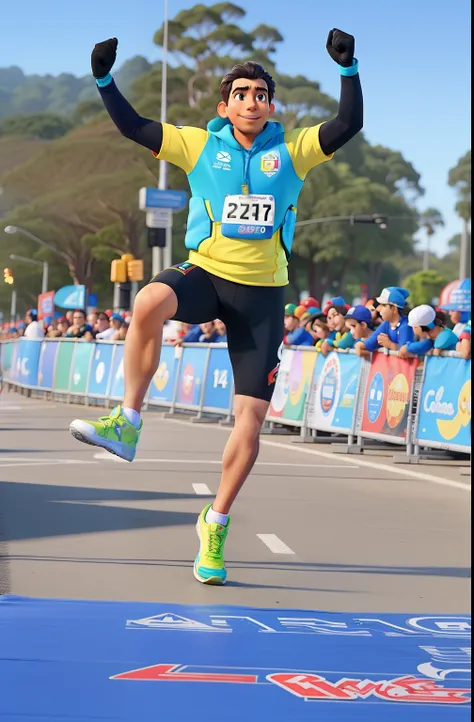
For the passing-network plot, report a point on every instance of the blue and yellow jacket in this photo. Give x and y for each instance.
(217, 166)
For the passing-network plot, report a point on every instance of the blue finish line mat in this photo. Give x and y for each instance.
(72, 661)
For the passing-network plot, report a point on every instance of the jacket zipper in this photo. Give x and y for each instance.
(246, 183)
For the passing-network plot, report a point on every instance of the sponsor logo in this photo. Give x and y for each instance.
(375, 398)
(450, 428)
(162, 376)
(272, 376)
(222, 161)
(253, 230)
(310, 687)
(398, 398)
(184, 267)
(330, 385)
(270, 163)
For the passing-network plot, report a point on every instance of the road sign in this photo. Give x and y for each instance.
(159, 218)
(150, 198)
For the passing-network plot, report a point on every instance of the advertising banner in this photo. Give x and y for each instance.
(63, 365)
(80, 367)
(100, 371)
(333, 393)
(117, 387)
(46, 364)
(292, 386)
(45, 305)
(191, 376)
(387, 396)
(445, 404)
(70, 297)
(25, 362)
(219, 380)
(162, 384)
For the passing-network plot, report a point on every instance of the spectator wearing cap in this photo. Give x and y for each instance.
(430, 328)
(295, 335)
(112, 326)
(121, 334)
(34, 329)
(463, 346)
(338, 333)
(80, 329)
(394, 331)
(359, 322)
(315, 324)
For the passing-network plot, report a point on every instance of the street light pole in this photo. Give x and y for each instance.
(464, 251)
(16, 229)
(161, 257)
(13, 308)
(44, 264)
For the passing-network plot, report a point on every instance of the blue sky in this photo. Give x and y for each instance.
(414, 60)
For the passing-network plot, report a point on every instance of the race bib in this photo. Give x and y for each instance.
(248, 217)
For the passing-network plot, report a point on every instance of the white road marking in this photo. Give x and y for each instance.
(353, 462)
(41, 462)
(374, 465)
(202, 490)
(105, 456)
(275, 544)
(10, 408)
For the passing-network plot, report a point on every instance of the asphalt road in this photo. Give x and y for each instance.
(310, 530)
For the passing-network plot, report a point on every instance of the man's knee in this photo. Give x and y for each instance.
(250, 412)
(156, 301)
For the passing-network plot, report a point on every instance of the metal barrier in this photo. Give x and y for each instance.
(407, 402)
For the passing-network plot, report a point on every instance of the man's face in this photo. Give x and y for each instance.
(207, 327)
(356, 328)
(388, 312)
(248, 107)
(78, 319)
(291, 323)
(455, 317)
(102, 322)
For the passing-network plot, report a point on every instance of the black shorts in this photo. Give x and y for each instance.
(253, 316)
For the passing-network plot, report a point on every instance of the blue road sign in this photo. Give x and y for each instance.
(149, 198)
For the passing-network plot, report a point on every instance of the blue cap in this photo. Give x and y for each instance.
(21, 325)
(460, 299)
(360, 314)
(33, 313)
(394, 295)
(12, 329)
(116, 317)
(47, 319)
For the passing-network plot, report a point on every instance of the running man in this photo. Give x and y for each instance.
(245, 174)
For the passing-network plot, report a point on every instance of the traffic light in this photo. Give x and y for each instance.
(135, 270)
(376, 218)
(156, 237)
(7, 276)
(118, 271)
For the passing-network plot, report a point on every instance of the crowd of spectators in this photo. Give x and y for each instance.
(382, 322)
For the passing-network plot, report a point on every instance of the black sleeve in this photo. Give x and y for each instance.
(143, 131)
(337, 132)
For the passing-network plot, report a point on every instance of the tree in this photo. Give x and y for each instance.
(424, 286)
(45, 126)
(459, 178)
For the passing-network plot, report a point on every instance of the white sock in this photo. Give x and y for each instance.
(215, 517)
(132, 416)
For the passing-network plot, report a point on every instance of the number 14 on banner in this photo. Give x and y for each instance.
(221, 378)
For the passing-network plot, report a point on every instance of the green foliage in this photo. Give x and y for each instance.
(424, 286)
(459, 178)
(44, 126)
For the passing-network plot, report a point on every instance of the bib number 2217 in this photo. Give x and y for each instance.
(248, 217)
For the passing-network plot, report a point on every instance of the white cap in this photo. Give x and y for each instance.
(423, 315)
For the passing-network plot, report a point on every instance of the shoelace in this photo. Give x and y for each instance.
(214, 544)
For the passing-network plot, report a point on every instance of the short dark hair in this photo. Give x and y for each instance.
(340, 309)
(250, 71)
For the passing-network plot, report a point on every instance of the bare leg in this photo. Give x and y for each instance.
(155, 304)
(241, 450)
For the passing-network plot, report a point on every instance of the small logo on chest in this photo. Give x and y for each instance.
(270, 163)
(222, 161)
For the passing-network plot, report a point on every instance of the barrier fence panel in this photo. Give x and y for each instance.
(163, 382)
(390, 399)
(333, 394)
(444, 411)
(292, 386)
(387, 398)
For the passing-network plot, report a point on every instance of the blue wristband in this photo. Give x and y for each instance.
(351, 70)
(103, 82)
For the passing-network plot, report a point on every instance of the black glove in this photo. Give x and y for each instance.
(340, 47)
(103, 57)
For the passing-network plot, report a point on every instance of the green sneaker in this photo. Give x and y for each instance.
(113, 433)
(209, 566)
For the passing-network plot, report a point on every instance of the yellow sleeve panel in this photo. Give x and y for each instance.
(305, 150)
(182, 146)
